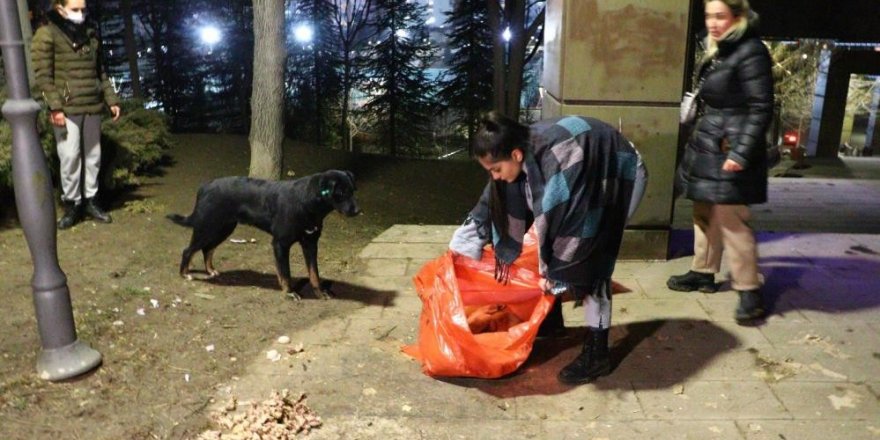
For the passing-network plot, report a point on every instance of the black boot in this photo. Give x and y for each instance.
(593, 362)
(95, 212)
(704, 282)
(72, 214)
(751, 306)
(553, 325)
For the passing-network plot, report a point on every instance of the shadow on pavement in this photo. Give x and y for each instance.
(646, 355)
(824, 284)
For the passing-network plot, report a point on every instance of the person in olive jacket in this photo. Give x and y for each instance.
(67, 67)
(724, 168)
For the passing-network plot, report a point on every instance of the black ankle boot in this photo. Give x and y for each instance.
(72, 214)
(95, 212)
(593, 362)
(553, 325)
(704, 282)
(751, 306)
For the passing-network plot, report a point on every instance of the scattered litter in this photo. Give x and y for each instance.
(242, 240)
(298, 348)
(154, 303)
(850, 399)
(140, 311)
(832, 374)
(118, 323)
(406, 408)
(715, 429)
(284, 339)
(186, 377)
(204, 295)
(231, 405)
(369, 391)
(823, 343)
(679, 389)
(147, 289)
(273, 355)
(503, 406)
(754, 427)
(279, 417)
(233, 359)
(209, 348)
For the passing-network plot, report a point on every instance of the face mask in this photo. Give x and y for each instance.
(76, 17)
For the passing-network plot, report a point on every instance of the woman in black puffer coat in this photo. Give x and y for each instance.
(724, 169)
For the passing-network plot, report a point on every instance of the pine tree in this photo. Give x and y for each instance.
(466, 87)
(352, 29)
(313, 71)
(401, 94)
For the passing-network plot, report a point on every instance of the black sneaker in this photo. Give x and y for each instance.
(704, 282)
(95, 212)
(72, 214)
(750, 308)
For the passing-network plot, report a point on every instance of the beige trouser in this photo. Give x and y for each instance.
(720, 227)
(78, 143)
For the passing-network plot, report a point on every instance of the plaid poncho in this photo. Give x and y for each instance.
(580, 174)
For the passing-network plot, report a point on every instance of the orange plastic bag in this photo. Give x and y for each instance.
(453, 286)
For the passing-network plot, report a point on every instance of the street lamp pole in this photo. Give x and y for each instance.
(62, 355)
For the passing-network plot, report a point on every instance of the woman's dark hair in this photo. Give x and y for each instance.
(497, 137)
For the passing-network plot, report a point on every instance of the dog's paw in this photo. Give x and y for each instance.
(213, 274)
(188, 276)
(293, 296)
(323, 294)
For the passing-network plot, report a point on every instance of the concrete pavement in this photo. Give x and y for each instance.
(685, 369)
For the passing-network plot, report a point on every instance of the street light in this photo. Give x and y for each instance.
(506, 34)
(303, 33)
(210, 35)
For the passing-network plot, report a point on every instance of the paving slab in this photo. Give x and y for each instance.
(809, 429)
(642, 429)
(828, 401)
(682, 367)
(712, 400)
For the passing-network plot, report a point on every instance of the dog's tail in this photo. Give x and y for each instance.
(180, 220)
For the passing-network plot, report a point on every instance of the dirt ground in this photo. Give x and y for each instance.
(158, 373)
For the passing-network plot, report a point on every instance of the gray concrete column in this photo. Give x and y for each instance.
(812, 144)
(624, 62)
(872, 136)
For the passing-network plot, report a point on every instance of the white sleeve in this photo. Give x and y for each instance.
(468, 241)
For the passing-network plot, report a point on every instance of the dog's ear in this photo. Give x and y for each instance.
(351, 179)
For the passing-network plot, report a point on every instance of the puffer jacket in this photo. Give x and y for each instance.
(737, 94)
(66, 68)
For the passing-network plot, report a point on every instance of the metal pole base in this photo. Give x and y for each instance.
(68, 361)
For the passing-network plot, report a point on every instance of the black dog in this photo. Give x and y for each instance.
(291, 211)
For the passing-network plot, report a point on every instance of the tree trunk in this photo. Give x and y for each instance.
(267, 97)
(344, 129)
(516, 56)
(131, 51)
(496, 23)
